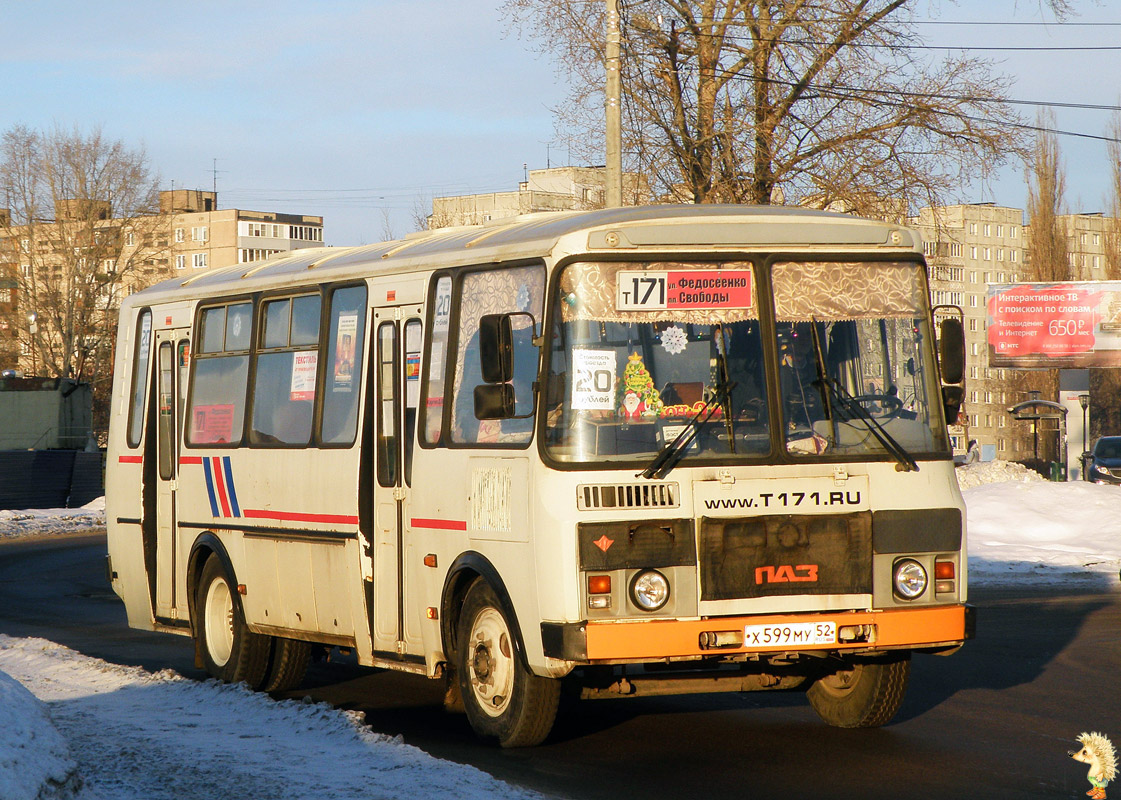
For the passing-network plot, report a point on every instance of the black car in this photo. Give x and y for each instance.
(1104, 462)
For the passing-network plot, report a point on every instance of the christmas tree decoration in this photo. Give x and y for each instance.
(638, 397)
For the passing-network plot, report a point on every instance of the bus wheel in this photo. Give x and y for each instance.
(502, 698)
(861, 694)
(230, 651)
(287, 665)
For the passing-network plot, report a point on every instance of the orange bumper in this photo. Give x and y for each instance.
(656, 639)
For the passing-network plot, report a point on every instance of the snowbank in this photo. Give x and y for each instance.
(44, 521)
(35, 762)
(142, 736)
(979, 474)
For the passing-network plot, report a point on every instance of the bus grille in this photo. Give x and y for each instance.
(627, 495)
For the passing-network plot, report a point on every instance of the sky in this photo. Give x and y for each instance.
(99, 730)
(362, 110)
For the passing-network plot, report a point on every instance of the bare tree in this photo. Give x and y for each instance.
(1047, 259)
(81, 231)
(782, 101)
(1113, 203)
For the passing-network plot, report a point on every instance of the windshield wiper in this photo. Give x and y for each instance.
(673, 452)
(833, 390)
(855, 411)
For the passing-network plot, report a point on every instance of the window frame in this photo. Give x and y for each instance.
(237, 437)
(140, 377)
(258, 349)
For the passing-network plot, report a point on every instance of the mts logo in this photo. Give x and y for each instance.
(803, 573)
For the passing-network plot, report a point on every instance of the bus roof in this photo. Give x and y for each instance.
(632, 228)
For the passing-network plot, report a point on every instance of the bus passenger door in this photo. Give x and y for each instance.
(397, 345)
(172, 356)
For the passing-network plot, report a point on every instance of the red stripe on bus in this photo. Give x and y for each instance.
(440, 524)
(191, 460)
(296, 516)
(131, 459)
(220, 485)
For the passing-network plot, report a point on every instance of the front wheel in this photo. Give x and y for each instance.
(502, 698)
(230, 651)
(861, 694)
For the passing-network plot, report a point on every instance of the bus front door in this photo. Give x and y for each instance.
(172, 357)
(397, 345)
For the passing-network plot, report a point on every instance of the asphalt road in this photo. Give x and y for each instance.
(995, 720)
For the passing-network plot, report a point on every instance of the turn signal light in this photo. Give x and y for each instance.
(944, 570)
(599, 584)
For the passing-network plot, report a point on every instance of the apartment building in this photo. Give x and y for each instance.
(552, 189)
(969, 247)
(70, 272)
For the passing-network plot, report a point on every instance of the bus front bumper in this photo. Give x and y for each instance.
(931, 627)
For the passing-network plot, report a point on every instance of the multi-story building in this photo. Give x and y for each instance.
(70, 272)
(969, 247)
(553, 189)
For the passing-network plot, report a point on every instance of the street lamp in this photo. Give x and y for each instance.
(1084, 401)
(33, 329)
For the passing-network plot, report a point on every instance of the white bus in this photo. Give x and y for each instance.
(641, 451)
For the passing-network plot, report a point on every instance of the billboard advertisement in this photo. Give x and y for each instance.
(1074, 324)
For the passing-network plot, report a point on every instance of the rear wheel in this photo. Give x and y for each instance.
(861, 694)
(287, 665)
(230, 651)
(502, 698)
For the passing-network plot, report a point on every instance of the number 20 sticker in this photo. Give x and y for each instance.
(593, 381)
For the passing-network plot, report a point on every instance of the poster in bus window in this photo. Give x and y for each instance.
(212, 424)
(303, 376)
(346, 336)
(412, 365)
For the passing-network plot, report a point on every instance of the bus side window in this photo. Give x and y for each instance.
(414, 341)
(436, 362)
(139, 378)
(221, 372)
(287, 372)
(346, 335)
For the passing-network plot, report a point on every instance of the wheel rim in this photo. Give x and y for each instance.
(490, 662)
(843, 681)
(218, 622)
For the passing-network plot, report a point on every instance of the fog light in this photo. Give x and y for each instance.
(599, 601)
(650, 590)
(909, 579)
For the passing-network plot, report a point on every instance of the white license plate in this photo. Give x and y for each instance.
(790, 635)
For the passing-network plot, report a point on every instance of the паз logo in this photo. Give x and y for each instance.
(803, 573)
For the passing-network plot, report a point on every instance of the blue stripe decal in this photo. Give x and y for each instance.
(210, 487)
(230, 485)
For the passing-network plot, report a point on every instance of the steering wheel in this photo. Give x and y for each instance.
(889, 404)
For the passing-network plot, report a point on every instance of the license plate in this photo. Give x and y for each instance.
(790, 635)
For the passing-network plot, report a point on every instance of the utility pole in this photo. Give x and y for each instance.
(612, 108)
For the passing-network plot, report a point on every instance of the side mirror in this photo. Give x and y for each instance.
(496, 349)
(494, 401)
(952, 397)
(951, 351)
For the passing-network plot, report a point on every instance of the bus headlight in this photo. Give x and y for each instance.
(650, 590)
(909, 578)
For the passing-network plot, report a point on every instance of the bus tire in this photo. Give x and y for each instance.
(502, 698)
(288, 664)
(861, 694)
(230, 651)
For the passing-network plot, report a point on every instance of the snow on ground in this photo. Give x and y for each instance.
(87, 730)
(136, 735)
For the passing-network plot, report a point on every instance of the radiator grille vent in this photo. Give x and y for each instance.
(627, 495)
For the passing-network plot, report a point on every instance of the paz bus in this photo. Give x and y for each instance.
(635, 451)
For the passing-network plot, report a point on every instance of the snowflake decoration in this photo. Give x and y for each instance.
(673, 340)
(523, 298)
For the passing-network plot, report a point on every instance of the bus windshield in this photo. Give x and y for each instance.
(642, 352)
